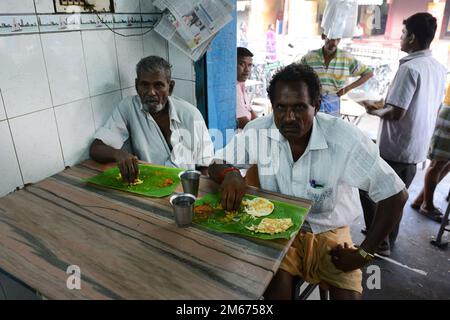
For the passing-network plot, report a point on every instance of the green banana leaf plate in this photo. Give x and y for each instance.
(237, 222)
(153, 177)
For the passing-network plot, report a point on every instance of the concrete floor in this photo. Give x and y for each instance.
(413, 249)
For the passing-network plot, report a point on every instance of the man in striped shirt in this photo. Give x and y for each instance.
(334, 66)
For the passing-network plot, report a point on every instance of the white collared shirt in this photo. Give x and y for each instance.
(339, 158)
(190, 140)
(418, 87)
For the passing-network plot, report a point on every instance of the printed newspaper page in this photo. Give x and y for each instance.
(191, 24)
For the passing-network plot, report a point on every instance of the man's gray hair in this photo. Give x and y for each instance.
(154, 64)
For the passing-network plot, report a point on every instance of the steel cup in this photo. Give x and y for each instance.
(190, 180)
(183, 208)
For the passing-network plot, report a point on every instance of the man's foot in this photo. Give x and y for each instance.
(415, 206)
(384, 249)
(434, 214)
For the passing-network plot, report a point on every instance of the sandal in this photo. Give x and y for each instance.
(434, 214)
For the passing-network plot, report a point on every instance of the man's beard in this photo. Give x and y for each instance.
(153, 108)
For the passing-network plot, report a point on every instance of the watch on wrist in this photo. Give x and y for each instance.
(366, 256)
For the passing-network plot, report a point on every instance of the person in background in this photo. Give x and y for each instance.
(242, 35)
(271, 43)
(293, 149)
(334, 66)
(439, 154)
(163, 129)
(410, 110)
(244, 112)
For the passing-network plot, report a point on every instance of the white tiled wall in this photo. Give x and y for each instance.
(75, 135)
(101, 61)
(59, 87)
(37, 144)
(16, 6)
(155, 45)
(2, 109)
(182, 67)
(127, 6)
(23, 82)
(10, 174)
(129, 51)
(65, 66)
(103, 106)
(44, 6)
(185, 89)
(147, 6)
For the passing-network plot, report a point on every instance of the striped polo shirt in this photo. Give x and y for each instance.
(343, 66)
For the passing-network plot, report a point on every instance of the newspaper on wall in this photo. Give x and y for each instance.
(191, 25)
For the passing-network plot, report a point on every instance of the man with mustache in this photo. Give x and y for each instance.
(244, 111)
(334, 66)
(162, 129)
(300, 152)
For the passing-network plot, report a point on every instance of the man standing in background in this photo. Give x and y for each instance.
(410, 110)
(244, 112)
(334, 66)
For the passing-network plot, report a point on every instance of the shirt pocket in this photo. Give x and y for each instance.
(322, 199)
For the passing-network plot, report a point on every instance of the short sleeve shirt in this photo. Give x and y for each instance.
(355, 160)
(418, 87)
(343, 66)
(190, 140)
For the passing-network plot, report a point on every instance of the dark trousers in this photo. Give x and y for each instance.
(406, 173)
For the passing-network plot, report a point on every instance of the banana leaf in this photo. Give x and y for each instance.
(153, 178)
(236, 223)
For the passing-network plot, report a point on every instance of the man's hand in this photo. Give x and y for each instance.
(341, 92)
(128, 166)
(346, 258)
(373, 105)
(233, 190)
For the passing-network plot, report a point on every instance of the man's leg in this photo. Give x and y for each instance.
(280, 288)
(369, 209)
(368, 206)
(406, 173)
(435, 173)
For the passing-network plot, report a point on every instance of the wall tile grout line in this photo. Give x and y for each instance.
(51, 95)
(12, 140)
(117, 64)
(87, 80)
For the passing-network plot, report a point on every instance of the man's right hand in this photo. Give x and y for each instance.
(233, 190)
(128, 166)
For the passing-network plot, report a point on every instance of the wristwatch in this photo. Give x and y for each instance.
(367, 256)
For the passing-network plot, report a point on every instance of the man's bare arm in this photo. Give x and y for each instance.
(389, 112)
(127, 163)
(363, 79)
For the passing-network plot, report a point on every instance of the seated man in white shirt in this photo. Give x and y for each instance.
(300, 152)
(162, 129)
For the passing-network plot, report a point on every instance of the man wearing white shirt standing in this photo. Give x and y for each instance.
(303, 153)
(163, 129)
(410, 110)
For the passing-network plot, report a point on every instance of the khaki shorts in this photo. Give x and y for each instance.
(309, 258)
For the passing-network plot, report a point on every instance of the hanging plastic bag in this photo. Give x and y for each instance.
(340, 19)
